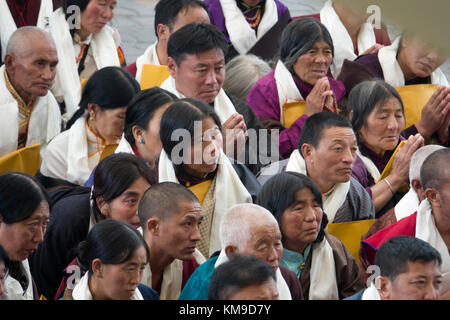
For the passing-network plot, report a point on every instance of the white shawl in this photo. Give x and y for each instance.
(371, 293)
(13, 288)
(337, 197)
(67, 82)
(124, 146)
(242, 36)
(427, 231)
(286, 87)
(323, 273)
(150, 56)
(222, 104)
(172, 277)
(370, 166)
(8, 26)
(45, 119)
(407, 205)
(343, 44)
(82, 292)
(229, 191)
(392, 71)
(283, 290)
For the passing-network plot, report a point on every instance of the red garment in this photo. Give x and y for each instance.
(404, 227)
(26, 12)
(132, 68)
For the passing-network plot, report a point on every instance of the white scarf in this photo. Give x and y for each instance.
(286, 87)
(222, 104)
(8, 26)
(407, 205)
(343, 44)
(67, 81)
(150, 56)
(124, 146)
(337, 197)
(45, 119)
(371, 293)
(370, 166)
(172, 277)
(283, 290)
(427, 231)
(242, 36)
(82, 292)
(392, 71)
(13, 288)
(229, 191)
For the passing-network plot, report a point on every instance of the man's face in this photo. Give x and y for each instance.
(421, 282)
(334, 156)
(179, 234)
(199, 76)
(33, 70)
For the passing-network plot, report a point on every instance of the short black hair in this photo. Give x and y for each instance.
(111, 241)
(195, 38)
(431, 172)
(20, 196)
(166, 11)
(115, 174)
(315, 125)
(280, 192)
(365, 96)
(162, 200)
(181, 115)
(142, 108)
(236, 274)
(299, 36)
(393, 255)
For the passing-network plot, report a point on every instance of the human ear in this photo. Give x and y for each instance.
(163, 32)
(306, 150)
(231, 249)
(383, 285)
(433, 197)
(172, 66)
(153, 226)
(97, 268)
(137, 134)
(103, 206)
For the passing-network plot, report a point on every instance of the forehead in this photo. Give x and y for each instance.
(187, 208)
(37, 49)
(422, 268)
(264, 231)
(320, 45)
(391, 104)
(337, 134)
(209, 57)
(194, 14)
(41, 212)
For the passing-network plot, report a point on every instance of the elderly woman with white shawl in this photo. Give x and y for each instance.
(192, 155)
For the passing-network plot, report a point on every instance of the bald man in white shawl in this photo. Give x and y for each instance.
(30, 113)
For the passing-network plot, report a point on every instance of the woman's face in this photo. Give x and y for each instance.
(108, 123)
(382, 128)
(124, 207)
(314, 64)
(97, 14)
(418, 59)
(151, 148)
(300, 223)
(20, 239)
(204, 153)
(119, 281)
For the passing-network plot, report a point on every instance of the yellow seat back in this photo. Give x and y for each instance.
(153, 76)
(23, 160)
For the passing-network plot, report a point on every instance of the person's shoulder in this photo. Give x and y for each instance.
(147, 292)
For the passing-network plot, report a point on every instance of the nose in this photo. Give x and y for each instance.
(108, 13)
(211, 78)
(432, 293)
(321, 58)
(310, 214)
(39, 235)
(48, 74)
(392, 123)
(348, 156)
(272, 255)
(195, 235)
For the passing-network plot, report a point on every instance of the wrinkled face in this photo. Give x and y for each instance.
(314, 64)
(421, 282)
(266, 291)
(190, 15)
(33, 70)
(124, 207)
(179, 234)
(381, 131)
(265, 244)
(20, 239)
(199, 76)
(419, 58)
(205, 149)
(109, 123)
(119, 281)
(300, 223)
(97, 14)
(334, 156)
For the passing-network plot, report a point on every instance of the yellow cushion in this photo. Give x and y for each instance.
(350, 234)
(292, 111)
(23, 160)
(153, 76)
(414, 98)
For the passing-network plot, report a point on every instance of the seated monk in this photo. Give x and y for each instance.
(428, 223)
(30, 113)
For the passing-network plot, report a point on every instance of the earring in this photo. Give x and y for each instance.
(91, 120)
(142, 141)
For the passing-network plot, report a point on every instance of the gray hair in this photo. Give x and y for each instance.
(419, 157)
(20, 39)
(243, 71)
(235, 226)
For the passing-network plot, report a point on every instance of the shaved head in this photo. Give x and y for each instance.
(435, 171)
(22, 40)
